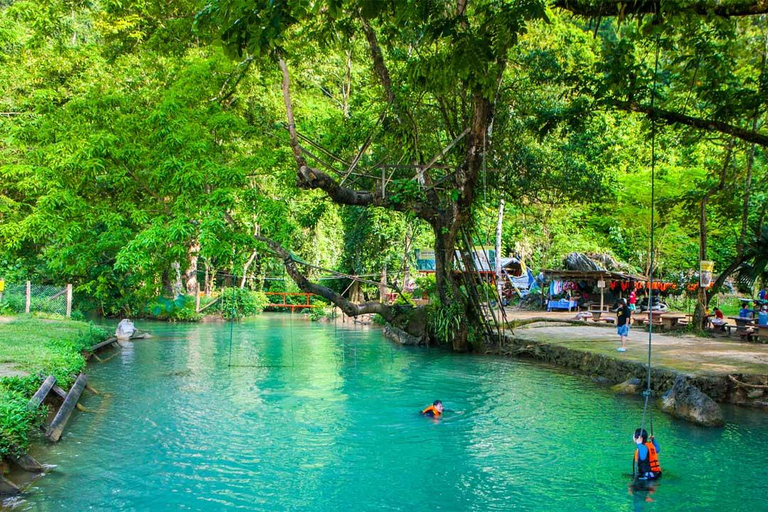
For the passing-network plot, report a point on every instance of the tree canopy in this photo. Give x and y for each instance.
(146, 145)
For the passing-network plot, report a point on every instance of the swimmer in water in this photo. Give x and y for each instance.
(646, 465)
(435, 410)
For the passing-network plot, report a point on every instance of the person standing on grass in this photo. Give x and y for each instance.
(623, 315)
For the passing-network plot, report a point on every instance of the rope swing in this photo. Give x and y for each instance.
(651, 259)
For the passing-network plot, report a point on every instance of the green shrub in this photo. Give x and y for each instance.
(236, 303)
(444, 321)
(322, 313)
(180, 309)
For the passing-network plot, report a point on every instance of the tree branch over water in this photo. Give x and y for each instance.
(347, 306)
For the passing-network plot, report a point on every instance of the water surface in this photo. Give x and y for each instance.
(317, 417)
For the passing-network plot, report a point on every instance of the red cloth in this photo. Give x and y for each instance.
(719, 314)
(632, 297)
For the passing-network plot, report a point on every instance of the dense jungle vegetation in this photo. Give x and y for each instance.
(149, 146)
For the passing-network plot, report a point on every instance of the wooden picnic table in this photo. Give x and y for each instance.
(744, 326)
(671, 320)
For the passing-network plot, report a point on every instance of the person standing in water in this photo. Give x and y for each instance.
(435, 410)
(623, 315)
(646, 465)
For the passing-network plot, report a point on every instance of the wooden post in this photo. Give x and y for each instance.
(69, 300)
(56, 428)
(197, 298)
(29, 297)
(602, 298)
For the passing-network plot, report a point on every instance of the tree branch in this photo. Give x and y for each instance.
(725, 9)
(348, 307)
(696, 122)
(379, 66)
(310, 178)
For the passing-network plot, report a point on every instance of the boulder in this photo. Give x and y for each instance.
(686, 401)
(125, 330)
(628, 387)
(580, 261)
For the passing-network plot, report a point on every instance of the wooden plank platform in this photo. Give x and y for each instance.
(8, 488)
(41, 393)
(27, 463)
(103, 344)
(56, 428)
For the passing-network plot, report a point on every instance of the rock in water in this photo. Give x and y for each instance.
(686, 401)
(628, 387)
(125, 330)
(401, 337)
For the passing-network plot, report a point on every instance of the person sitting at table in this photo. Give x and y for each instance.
(762, 317)
(719, 320)
(745, 312)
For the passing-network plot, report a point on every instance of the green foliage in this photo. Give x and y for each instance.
(237, 303)
(326, 313)
(444, 320)
(40, 347)
(181, 308)
(133, 138)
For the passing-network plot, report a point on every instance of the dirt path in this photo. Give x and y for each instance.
(688, 354)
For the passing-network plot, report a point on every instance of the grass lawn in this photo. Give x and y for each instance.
(31, 347)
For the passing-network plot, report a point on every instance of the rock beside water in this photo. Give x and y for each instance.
(686, 401)
(628, 387)
(401, 337)
(125, 330)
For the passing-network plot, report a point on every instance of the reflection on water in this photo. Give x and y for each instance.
(318, 417)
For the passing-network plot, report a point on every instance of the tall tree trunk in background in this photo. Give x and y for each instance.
(251, 258)
(248, 263)
(190, 274)
(700, 313)
(499, 224)
(176, 286)
(404, 268)
(207, 282)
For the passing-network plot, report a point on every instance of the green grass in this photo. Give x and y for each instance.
(40, 347)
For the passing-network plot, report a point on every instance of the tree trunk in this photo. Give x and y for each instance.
(499, 224)
(190, 274)
(700, 312)
(248, 263)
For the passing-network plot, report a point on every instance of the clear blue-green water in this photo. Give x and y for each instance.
(317, 418)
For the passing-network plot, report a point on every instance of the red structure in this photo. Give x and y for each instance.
(284, 304)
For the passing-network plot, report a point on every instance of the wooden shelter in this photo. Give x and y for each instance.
(600, 279)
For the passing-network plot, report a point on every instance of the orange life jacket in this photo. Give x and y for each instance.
(652, 464)
(431, 409)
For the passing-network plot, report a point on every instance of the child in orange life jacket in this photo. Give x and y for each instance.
(647, 465)
(435, 410)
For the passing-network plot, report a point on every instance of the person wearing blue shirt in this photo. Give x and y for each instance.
(745, 312)
(762, 317)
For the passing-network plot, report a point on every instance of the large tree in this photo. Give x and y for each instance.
(439, 66)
